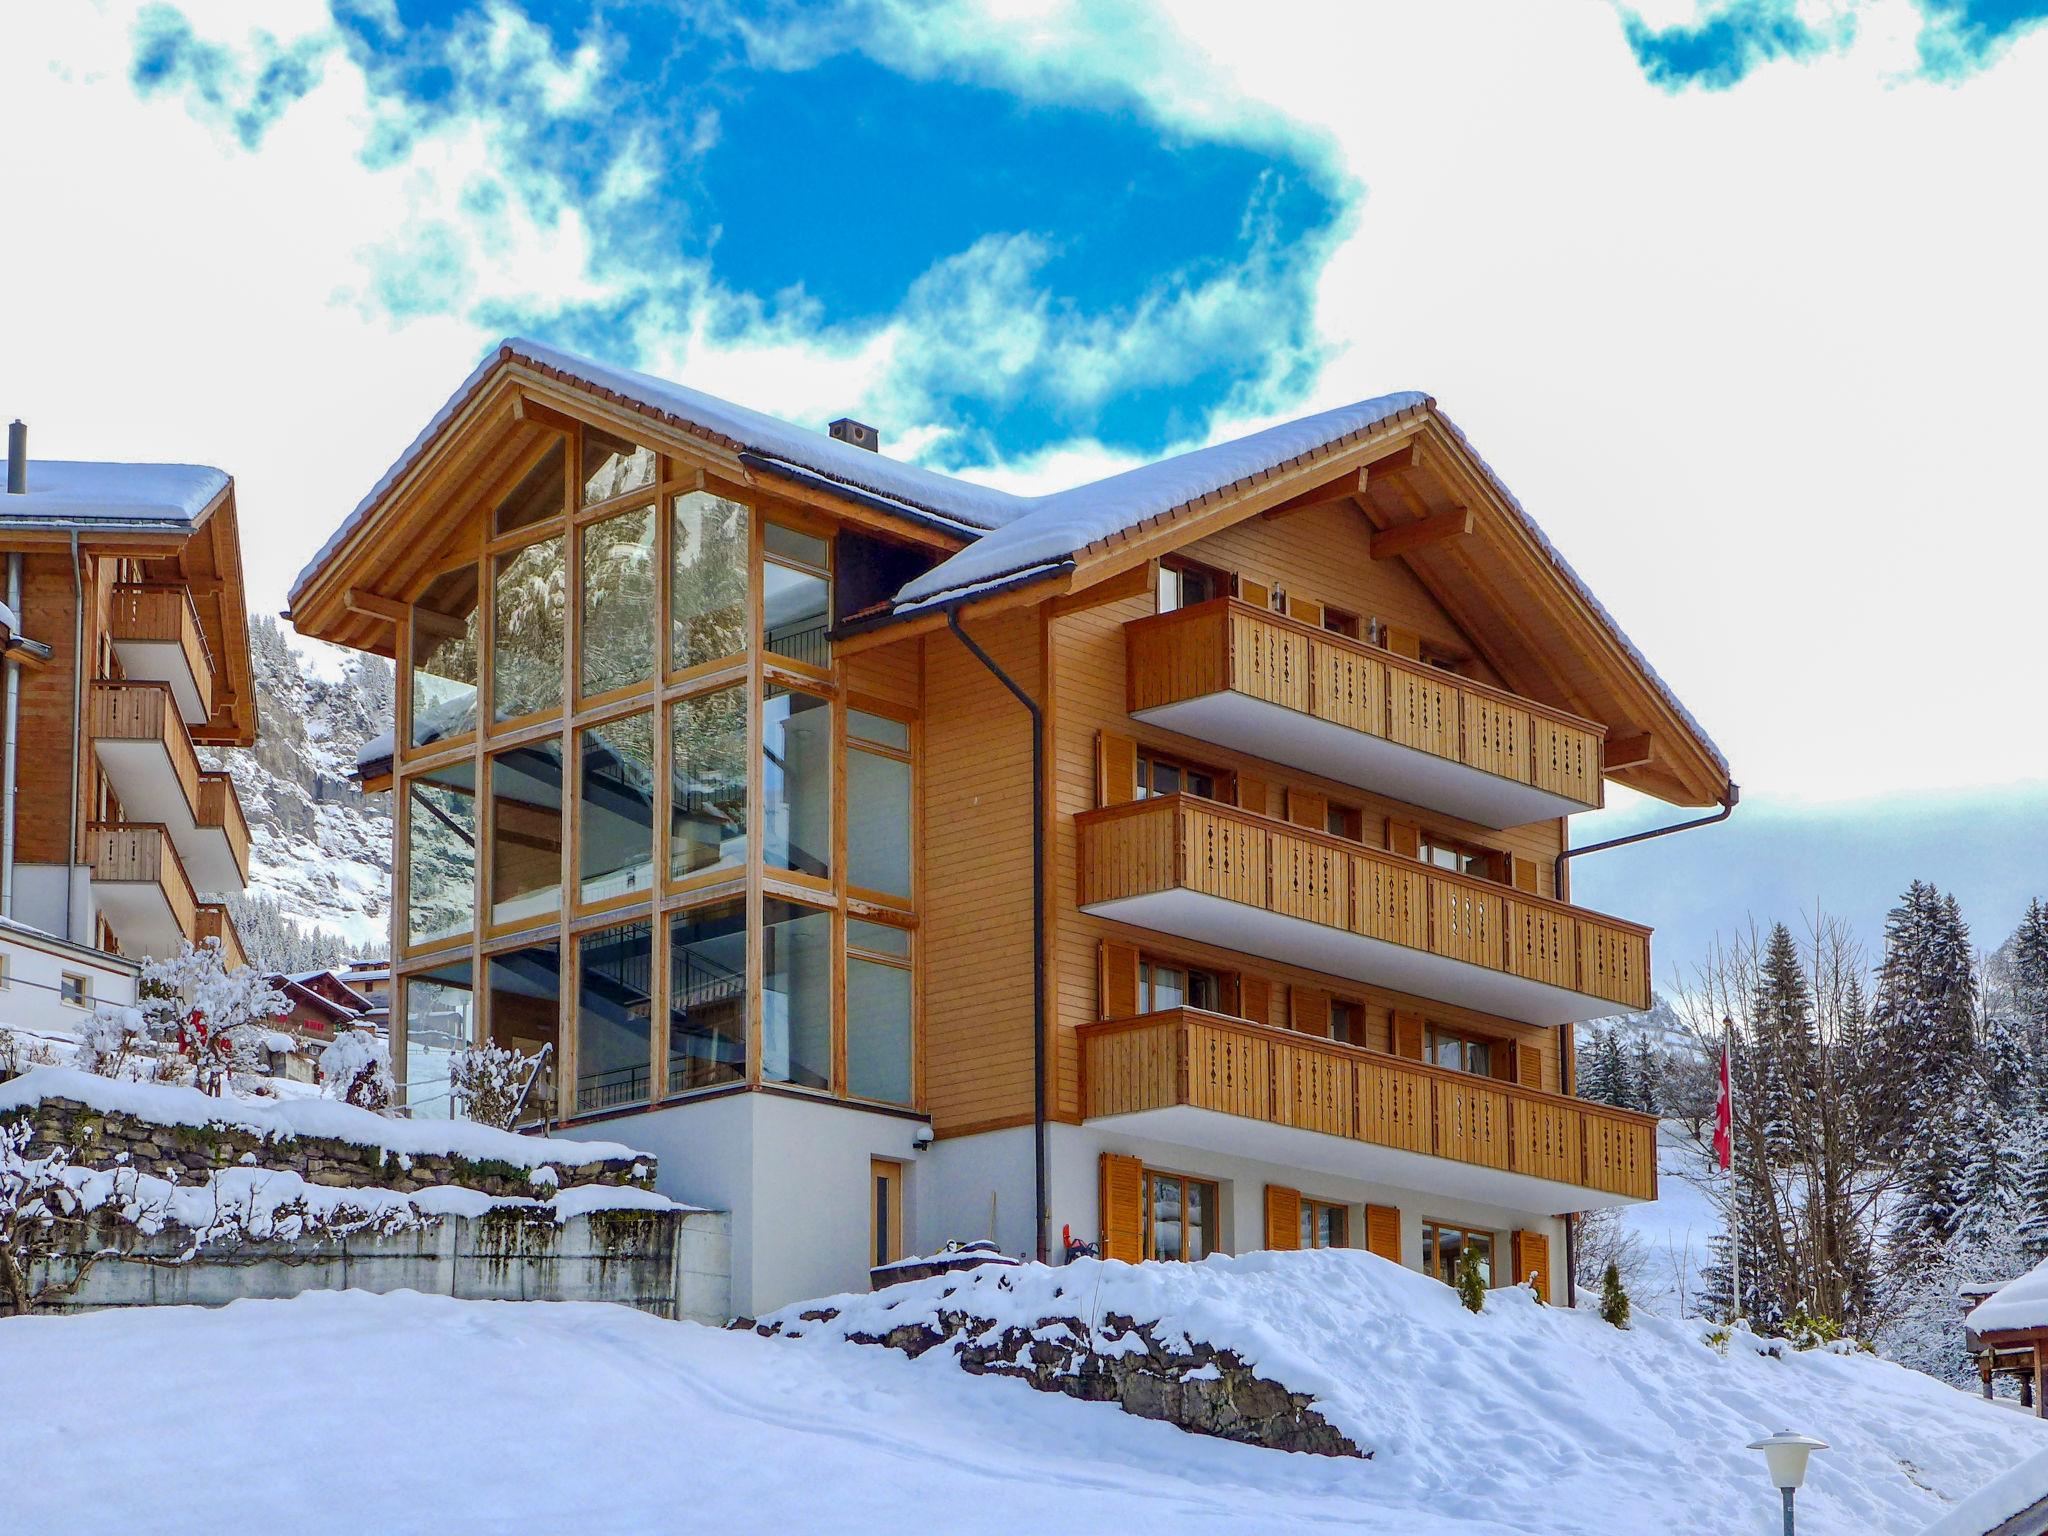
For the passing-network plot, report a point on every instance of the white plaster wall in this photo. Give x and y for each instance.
(979, 1187)
(30, 996)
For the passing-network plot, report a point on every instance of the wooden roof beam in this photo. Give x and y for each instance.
(1342, 494)
(526, 408)
(1627, 752)
(1424, 531)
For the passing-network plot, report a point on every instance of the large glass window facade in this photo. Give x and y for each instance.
(615, 858)
(707, 996)
(878, 816)
(528, 598)
(440, 854)
(526, 834)
(796, 782)
(614, 1016)
(796, 594)
(621, 591)
(707, 808)
(796, 994)
(440, 1019)
(707, 580)
(444, 658)
(613, 467)
(878, 1022)
(537, 497)
(524, 987)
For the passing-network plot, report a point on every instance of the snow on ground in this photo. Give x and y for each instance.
(1676, 1228)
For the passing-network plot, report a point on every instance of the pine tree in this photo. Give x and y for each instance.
(1470, 1281)
(1613, 1299)
(1645, 1077)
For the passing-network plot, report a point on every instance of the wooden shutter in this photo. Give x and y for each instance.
(1122, 1212)
(1116, 769)
(1308, 810)
(1404, 838)
(1117, 980)
(1404, 642)
(1253, 795)
(1255, 999)
(1311, 1009)
(1383, 1231)
(1283, 1216)
(1532, 1257)
(1522, 872)
(1407, 1034)
(1528, 1066)
(1257, 593)
(1306, 609)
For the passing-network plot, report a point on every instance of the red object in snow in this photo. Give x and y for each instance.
(1724, 1117)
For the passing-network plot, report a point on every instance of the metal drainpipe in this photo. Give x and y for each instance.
(77, 712)
(1043, 1216)
(7, 763)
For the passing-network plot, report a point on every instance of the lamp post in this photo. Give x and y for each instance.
(1785, 1455)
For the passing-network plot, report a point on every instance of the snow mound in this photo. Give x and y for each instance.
(1523, 1408)
(289, 1119)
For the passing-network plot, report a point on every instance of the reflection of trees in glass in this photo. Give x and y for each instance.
(708, 790)
(441, 853)
(619, 598)
(616, 834)
(612, 467)
(444, 650)
(708, 580)
(529, 598)
(537, 497)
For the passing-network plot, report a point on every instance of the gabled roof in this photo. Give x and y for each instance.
(93, 494)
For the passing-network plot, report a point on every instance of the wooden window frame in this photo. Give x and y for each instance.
(845, 745)
(1312, 1210)
(1356, 1004)
(572, 803)
(1433, 1248)
(1226, 981)
(1352, 818)
(572, 636)
(703, 686)
(751, 631)
(1495, 859)
(648, 499)
(885, 1203)
(1222, 583)
(1342, 621)
(1150, 1246)
(1499, 1049)
(848, 952)
(1222, 779)
(815, 528)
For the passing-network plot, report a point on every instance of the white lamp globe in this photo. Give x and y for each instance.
(1785, 1454)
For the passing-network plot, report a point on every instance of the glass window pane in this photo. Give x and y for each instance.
(877, 1031)
(707, 580)
(798, 602)
(615, 856)
(525, 987)
(1482, 1244)
(440, 857)
(878, 838)
(613, 1013)
(612, 467)
(1199, 1230)
(444, 658)
(619, 601)
(708, 786)
(1169, 987)
(440, 1011)
(796, 782)
(796, 994)
(879, 729)
(794, 544)
(707, 992)
(1166, 1217)
(526, 833)
(536, 498)
(528, 600)
(878, 938)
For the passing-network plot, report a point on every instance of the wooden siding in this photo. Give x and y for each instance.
(213, 922)
(220, 805)
(1188, 843)
(1228, 645)
(1235, 1067)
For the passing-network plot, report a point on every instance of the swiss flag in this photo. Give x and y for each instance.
(1724, 1117)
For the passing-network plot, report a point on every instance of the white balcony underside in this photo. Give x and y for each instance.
(1340, 1157)
(142, 917)
(150, 790)
(1339, 952)
(164, 661)
(1338, 752)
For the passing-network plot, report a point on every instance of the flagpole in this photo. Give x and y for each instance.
(1734, 1202)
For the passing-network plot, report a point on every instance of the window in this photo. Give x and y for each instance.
(526, 833)
(1345, 821)
(1338, 622)
(878, 1033)
(537, 497)
(440, 853)
(615, 857)
(528, 599)
(707, 996)
(1183, 583)
(1160, 775)
(522, 988)
(1324, 1225)
(613, 467)
(614, 1012)
(796, 994)
(796, 592)
(1347, 1021)
(619, 600)
(1162, 985)
(1442, 1245)
(1461, 1053)
(878, 815)
(444, 658)
(440, 1013)
(886, 1226)
(75, 989)
(707, 807)
(796, 782)
(1180, 1216)
(6, 973)
(1464, 858)
(707, 600)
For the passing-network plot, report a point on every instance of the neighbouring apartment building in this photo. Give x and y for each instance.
(126, 648)
(1172, 863)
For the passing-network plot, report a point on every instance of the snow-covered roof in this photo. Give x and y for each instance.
(377, 749)
(1999, 1504)
(87, 493)
(2021, 1303)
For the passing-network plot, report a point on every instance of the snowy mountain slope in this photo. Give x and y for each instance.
(509, 1416)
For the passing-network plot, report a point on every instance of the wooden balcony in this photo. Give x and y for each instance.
(1288, 1091)
(147, 755)
(141, 887)
(155, 630)
(213, 922)
(1219, 875)
(1258, 682)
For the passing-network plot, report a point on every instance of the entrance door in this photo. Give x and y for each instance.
(885, 1219)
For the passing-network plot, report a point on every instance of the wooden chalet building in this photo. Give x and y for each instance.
(728, 753)
(128, 648)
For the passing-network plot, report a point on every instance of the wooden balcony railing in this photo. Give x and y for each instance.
(128, 853)
(213, 922)
(220, 805)
(1228, 645)
(146, 712)
(165, 614)
(1183, 842)
(1210, 1061)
